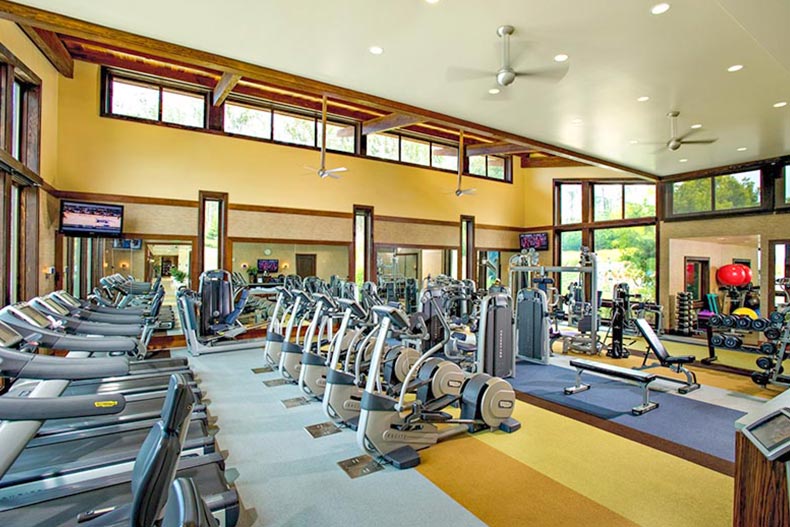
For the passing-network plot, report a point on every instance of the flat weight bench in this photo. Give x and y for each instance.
(638, 377)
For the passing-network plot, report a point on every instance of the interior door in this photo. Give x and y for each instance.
(305, 265)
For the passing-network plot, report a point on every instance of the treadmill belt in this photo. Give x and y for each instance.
(125, 386)
(151, 366)
(89, 452)
(136, 410)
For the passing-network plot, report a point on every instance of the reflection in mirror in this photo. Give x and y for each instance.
(264, 262)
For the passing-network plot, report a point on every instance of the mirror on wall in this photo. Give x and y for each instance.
(260, 262)
(492, 266)
(397, 263)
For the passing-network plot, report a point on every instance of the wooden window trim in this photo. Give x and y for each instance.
(370, 244)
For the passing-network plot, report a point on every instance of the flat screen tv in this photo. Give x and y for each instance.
(534, 240)
(90, 219)
(134, 244)
(268, 265)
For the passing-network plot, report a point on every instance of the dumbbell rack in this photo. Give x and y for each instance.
(773, 351)
(683, 311)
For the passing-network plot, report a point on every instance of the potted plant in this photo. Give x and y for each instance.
(179, 277)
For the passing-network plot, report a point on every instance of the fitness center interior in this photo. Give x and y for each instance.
(394, 262)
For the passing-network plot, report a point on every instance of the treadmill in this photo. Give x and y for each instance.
(103, 497)
(34, 326)
(122, 382)
(93, 449)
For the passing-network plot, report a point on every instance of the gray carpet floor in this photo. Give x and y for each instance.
(287, 478)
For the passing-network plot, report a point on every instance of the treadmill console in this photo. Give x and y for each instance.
(771, 434)
(8, 337)
(30, 315)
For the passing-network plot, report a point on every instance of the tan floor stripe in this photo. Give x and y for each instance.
(501, 491)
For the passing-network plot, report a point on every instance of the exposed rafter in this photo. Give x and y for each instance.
(71, 26)
(390, 122)
(50, 45)
(549, 162)
(501, 148)
(225, 85)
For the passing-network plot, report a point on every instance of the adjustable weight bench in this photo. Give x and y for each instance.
(637, 377)
(665, 360)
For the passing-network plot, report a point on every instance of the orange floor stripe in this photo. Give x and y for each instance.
(504, 492)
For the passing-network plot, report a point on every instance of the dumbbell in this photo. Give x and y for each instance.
(732, 342)
(759, 324)
(772, 333)
(777, 317)
(717, 340)
(715, 320)
(743, 322)
(767, 348)
(728, 321)
(765, 363)
(759, 378)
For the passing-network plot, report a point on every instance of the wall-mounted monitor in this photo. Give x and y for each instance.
(267, 265)
(79, 218)
(534, 240)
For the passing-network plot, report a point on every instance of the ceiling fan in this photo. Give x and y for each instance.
(675, 141)
(323, 172)
(506, 75)
(458, 190)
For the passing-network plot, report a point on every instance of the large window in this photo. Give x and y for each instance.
(617, 220)
(212, 230)
(385, 146)
(570, 203)
(363, 244)
(627, 255)
(296, 129)
(247, 120)
(141, 100)
(718, 193)
(444, 157)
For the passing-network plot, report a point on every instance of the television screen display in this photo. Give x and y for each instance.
(535, 240)
(90, 219)
(128, 243)
(268, 265)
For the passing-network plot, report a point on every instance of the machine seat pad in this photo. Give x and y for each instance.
(614, 371)
(681, 359)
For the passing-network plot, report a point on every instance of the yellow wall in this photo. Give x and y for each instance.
(118, 157)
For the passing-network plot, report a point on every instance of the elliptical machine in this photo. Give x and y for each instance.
(395, 431)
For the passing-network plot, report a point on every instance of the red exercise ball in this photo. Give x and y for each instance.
(735, 275)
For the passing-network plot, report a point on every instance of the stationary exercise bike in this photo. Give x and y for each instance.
(394, 430)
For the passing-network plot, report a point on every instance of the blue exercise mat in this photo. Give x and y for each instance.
(705, 427)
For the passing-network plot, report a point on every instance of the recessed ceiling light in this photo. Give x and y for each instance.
(660, 9)
(634, 142)
(643, 98)
(577, 121)
(696, 126)
(432, 1)
(741, 149)
(376, 50)
(493, 91)
(683, 160)
(780, 104)
(735, 67)
(562, 57)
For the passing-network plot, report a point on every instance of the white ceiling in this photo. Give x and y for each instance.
(618, 51)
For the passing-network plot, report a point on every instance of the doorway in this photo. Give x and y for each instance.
(697, 277)
(305, 265)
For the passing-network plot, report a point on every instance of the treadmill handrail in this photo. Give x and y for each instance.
(42, 408)
(29, 366)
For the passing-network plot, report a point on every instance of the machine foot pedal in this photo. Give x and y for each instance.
(403, 457)
(510, 425)
(353, 423)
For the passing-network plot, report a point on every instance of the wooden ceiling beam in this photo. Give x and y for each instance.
(501, 148)
(65, 25)
(52, 48)
(390, 122)
(550, 162)
(226, 83)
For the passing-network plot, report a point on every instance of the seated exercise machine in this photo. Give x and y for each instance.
(665, 360)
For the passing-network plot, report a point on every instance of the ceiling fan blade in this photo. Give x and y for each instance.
(333, 170)
(687, 134)
(699, 142)
(328, 174)
(312, 169)
(552, 74)
(467, 192)
(457, 74)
